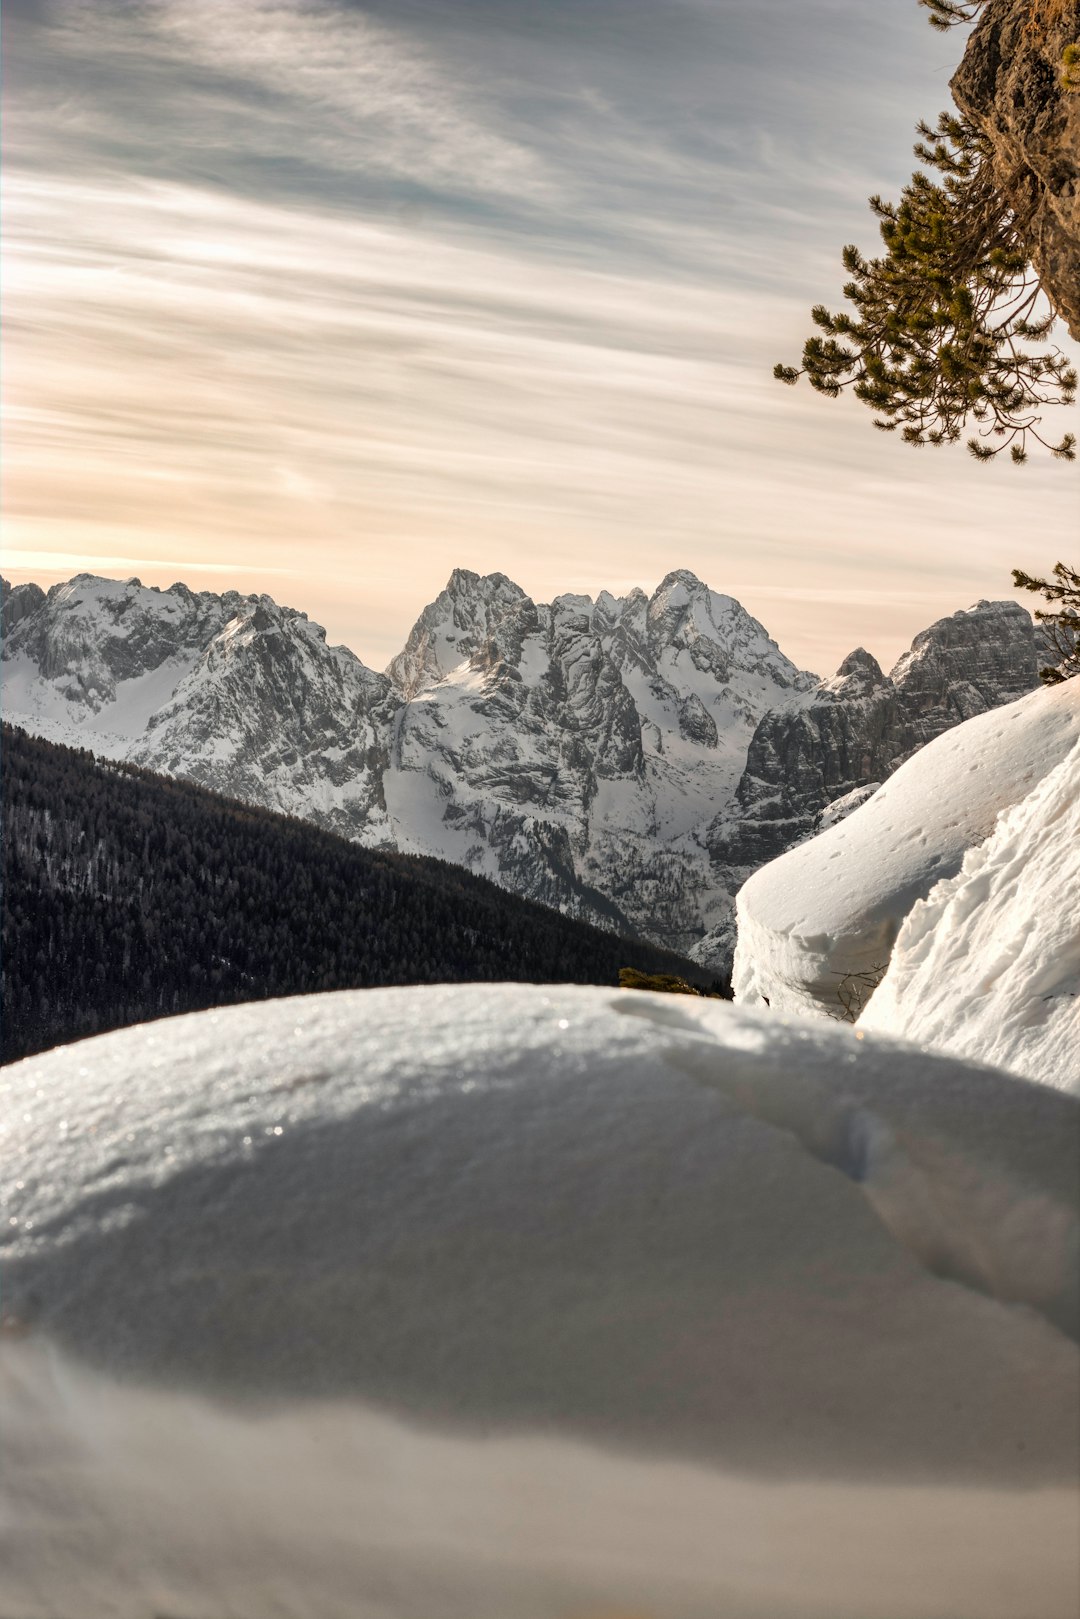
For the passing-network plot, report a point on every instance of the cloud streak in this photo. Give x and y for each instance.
(369, 291)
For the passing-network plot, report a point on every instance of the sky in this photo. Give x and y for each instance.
(325, 298)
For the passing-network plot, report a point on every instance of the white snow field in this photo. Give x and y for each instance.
(504, 1302)
(824, 916)
(988, 966)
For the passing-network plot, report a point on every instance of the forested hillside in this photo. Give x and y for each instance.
(130, 896)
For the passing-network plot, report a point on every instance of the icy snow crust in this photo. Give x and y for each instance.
(988, 966)
(497, 1301)
(832, 907)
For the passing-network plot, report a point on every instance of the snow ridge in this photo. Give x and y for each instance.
(827, 914)
(988, 964)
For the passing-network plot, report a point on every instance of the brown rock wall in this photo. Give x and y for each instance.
(1010, 84)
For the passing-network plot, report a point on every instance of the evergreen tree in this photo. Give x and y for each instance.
(1062, 626)
(941, 323)
(129, 896)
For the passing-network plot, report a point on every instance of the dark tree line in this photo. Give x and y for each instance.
(128, 896)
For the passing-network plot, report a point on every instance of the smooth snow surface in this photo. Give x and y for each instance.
(502, 1302)
(988, 966)
(813, 922)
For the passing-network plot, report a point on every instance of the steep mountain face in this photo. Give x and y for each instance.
(232, 691)
(589, 754)
(1012, 83)
(579, 752)
(297, 725)
(860, 726)
(452, 629)
(16, 602)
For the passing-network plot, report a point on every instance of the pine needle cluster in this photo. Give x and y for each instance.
(1062, 626)
(941, 322)
(946, 14)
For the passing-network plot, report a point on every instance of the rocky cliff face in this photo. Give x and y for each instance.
(589, 754)
(16, 602)
(578, 754)
(860, 726)
(453, 628)
(1009, 83)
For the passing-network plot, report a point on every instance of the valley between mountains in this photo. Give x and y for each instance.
(628, 760)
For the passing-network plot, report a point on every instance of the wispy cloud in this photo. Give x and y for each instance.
(72, 562)
(368, 290)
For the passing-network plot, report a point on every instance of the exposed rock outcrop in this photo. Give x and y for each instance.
(16, 602)
(1010, 84)
(453, 628)
(860, 726)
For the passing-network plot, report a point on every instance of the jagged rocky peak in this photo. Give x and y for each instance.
(572, 609)
(859, 727)
(968, 662)
(685, 620)
(610, 611)
(622, 624)
(453, 628)
(233, 691)
(682, 610)
(859, 675)
(17, 602)
(91, 633)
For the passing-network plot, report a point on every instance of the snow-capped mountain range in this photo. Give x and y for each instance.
(589, 754)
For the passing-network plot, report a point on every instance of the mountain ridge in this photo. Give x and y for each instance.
(602, 756)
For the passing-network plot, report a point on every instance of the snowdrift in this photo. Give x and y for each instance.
(496, 1301)
(988, 966)
(817, 927)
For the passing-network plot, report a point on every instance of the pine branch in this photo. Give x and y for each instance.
(941, 320)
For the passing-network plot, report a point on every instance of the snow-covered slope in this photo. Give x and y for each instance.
(988, 965)
(506, 1303)
(817, 926)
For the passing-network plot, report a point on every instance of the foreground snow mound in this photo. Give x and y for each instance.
(988, 966)
(490, 1302)
(816, 928)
